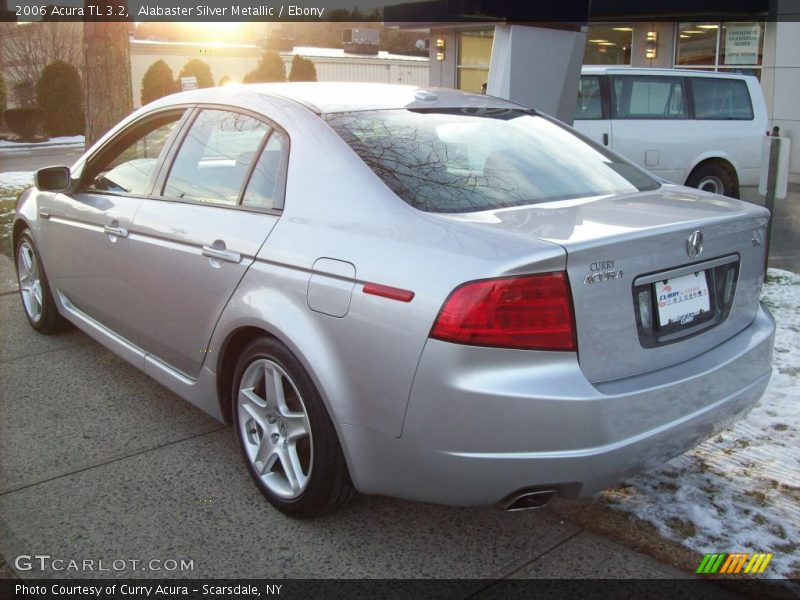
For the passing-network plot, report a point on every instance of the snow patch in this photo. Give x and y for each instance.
(16, 179)
(739, 491)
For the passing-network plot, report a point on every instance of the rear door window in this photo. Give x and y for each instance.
(648, 97)
(215, 157)
(721, 99)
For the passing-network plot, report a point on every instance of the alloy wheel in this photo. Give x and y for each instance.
(275, 430)
(30, 281)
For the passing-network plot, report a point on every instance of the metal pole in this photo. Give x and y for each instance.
(772, 183)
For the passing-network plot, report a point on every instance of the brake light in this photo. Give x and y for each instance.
(532, 312)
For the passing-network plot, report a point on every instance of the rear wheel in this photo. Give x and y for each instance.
(714, 178)
(34, 290)
(285, 433)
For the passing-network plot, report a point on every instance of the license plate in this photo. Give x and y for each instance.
(681, 300)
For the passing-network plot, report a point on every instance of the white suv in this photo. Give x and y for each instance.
(698, 128)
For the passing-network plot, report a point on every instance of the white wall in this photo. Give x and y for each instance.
(367, 70)
(234, 61)
(780, 80)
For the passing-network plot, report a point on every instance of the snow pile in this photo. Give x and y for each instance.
(739, 491)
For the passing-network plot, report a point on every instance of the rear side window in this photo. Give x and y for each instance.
(265, 182)
(724, 99)
(215, 157)
(468, 159)
(648, 97)
(590, 98)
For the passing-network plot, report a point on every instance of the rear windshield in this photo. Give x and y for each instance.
(466, 160)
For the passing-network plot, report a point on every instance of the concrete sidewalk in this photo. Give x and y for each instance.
(98, 461)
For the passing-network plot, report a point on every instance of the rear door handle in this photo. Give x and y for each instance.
(116, 231)
(221, 254)
(605, 139)
(43, 214)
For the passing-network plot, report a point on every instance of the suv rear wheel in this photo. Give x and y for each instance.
(714, 178)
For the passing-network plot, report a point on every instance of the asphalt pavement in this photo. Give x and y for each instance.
(98, 461)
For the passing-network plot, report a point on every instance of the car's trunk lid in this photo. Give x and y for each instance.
(619, 246)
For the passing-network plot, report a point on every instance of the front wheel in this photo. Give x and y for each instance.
(714, 178)
(34, 290)
(285, 434)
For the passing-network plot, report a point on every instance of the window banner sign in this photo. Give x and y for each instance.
(741, 43)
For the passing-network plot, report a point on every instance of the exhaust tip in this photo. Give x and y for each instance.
(530, 500)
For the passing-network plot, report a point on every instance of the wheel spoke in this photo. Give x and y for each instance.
(296, 426)
(291, 467)
(36, 289)
(265, 457)
(254, 406)
(273, 387)
(27, 259)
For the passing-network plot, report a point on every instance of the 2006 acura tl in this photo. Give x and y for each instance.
(421, 293)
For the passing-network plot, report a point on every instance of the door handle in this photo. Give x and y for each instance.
(43, 214)
(605, 139)
(116, 231)
(222, 254)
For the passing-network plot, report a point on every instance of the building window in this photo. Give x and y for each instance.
(733, 46)
(474, 55)
(608, 44)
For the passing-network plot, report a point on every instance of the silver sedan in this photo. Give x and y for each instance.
(413, 292)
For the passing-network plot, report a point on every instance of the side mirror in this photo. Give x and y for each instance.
(53, 179)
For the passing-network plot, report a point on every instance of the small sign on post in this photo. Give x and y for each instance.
(188, 83)
(774, 155)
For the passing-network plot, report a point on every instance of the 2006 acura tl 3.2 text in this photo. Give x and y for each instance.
(421, 293)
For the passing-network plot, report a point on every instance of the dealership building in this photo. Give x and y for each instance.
(538, 64)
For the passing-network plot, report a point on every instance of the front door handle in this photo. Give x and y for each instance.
(222, 254)
(116, 231)
(605, 139)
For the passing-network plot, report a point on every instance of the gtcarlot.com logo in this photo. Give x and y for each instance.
(46, 562)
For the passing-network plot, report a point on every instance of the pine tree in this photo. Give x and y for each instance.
(158, 81)
(59, 97)
(302, 69)
(200, 70)
(270, 68)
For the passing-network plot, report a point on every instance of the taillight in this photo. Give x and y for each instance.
(532, 312)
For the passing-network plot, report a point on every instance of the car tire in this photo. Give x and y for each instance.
(714, 178)
(34, 289)
(285, 434)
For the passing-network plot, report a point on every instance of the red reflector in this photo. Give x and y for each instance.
(532, 312)
(386, 291)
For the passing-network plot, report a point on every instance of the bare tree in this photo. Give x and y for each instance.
(28, 48)
(107, 92)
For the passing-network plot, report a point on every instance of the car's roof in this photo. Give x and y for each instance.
(334, 97)
(623, 70)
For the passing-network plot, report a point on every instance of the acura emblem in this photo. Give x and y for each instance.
(694, 245)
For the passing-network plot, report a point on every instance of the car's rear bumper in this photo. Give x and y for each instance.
(483, 424)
